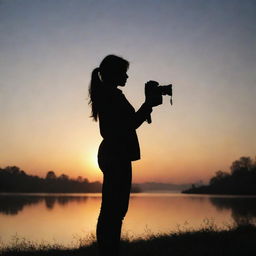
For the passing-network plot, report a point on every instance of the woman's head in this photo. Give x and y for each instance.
(110, 73)
(112, 70)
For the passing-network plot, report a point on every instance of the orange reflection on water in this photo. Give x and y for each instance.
(54, 222)
(165, 213)
(58, 218)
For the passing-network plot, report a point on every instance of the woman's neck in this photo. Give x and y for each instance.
(111, 85)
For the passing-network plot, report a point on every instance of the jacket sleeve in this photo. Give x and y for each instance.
(142, 114)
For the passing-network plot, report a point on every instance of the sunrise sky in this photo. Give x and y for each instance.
(206, 48)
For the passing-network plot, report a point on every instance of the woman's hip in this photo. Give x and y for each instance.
(111, 159)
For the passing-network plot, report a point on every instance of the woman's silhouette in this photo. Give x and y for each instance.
(118, 122)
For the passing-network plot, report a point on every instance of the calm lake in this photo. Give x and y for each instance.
(64, 218)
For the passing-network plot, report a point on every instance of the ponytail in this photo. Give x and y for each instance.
(106, 72)
(94, 91)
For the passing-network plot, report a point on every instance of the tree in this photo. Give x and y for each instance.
(79, 179)
(241, 166)
(13, 170)
(85, 180)
(219, 176)
(64, 177)
(13, 179)
(51, 175)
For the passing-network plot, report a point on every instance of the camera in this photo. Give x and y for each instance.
(154, 92)
(166, 90)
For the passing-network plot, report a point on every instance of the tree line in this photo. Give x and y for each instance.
(13, 179)
(240, 181)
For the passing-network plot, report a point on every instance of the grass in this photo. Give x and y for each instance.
(207, 241)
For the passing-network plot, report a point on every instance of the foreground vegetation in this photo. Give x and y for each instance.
(208, 241)
(240, 181)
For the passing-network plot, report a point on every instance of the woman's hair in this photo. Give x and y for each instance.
(110, 66)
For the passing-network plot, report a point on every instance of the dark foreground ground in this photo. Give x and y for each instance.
(206, 242)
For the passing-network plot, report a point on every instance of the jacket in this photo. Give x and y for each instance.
(118, 122)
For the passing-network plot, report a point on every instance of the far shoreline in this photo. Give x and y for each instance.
(141, 193)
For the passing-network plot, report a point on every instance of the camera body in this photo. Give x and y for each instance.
(154, 92)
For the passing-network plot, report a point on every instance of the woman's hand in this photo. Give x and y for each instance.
(153, 96)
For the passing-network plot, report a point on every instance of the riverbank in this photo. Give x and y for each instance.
(208, 241)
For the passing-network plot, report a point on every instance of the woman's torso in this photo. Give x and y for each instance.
(117, 127)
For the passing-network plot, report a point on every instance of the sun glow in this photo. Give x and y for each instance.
(93, 161)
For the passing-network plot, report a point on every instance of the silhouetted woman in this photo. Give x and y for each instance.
(118, 122)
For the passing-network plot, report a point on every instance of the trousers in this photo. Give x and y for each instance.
(117, 178)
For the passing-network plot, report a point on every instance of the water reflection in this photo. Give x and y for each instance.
(58, 217)
(243, 209)
(14, 204)
(50, 201)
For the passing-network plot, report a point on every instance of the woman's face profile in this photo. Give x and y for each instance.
(115, 76)
(121, 78)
